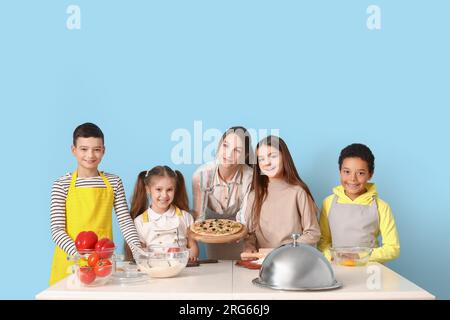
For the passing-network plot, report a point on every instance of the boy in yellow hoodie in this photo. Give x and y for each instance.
(354, 215)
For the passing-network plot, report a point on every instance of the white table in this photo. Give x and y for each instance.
(225, 281)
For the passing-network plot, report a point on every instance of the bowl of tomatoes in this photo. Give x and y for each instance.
(95, 261)
(93, 269)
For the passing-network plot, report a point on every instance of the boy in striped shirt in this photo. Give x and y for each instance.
(83, 200)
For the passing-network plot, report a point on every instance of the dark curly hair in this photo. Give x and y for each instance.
(358, 150)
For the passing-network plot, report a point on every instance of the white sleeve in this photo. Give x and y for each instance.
(188, 218)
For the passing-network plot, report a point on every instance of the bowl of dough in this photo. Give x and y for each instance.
(162, 262)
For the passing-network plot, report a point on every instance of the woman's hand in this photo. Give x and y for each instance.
(250, 255)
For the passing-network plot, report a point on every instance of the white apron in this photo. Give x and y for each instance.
(353, 225)
(166, 233)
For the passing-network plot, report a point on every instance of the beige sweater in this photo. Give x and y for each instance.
(286, 210)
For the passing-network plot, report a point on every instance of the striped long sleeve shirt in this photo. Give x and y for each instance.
(58, 209)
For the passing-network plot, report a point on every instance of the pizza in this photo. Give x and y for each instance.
(216, 227)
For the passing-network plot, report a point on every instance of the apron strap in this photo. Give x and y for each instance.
(179, 214)
(333, 203)
(145, 216)
(205, 185)
(374, 202)
(73, 180)
(105, 180)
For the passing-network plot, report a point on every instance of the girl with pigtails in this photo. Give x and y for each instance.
(159, 208)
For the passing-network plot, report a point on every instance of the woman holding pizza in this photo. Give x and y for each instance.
(220, 187)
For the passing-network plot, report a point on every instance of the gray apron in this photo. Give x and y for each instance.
(220, 251)
(353, 225)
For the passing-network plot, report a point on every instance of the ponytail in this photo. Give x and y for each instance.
(139, 203)
(181, 198)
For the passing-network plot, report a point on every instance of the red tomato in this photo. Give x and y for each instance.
(86, 240)
(86, 275)
(105, 248)
(103, 268)
(174, 249)
(93, 259)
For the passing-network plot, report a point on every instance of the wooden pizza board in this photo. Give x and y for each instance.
(219, 239)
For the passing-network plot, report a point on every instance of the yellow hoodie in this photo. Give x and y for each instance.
(390, 248)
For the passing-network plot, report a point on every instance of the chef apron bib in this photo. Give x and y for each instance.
(167, 235)
(87, 209)
(353, 225)
(220, 251)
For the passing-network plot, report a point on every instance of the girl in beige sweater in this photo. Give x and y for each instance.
(279, 203)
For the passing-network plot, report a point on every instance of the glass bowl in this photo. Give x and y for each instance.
(160, 262)
(351, 256)
(127, 273)
(92, 269)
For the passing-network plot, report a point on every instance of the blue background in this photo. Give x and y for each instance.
(141, 69)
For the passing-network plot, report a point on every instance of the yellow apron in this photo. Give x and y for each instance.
(87, 209)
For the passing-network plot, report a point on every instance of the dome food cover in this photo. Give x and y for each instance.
(296, 266)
